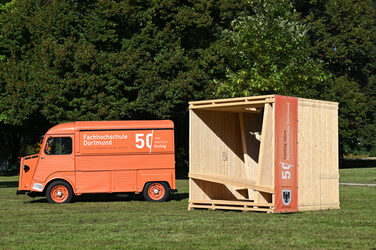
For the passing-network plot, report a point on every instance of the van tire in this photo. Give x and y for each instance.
(59, 192)
(156, 191)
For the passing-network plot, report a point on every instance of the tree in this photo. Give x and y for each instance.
(352, 111)
(268, 52)
(343, 35)
(5, 6)
(106, 60)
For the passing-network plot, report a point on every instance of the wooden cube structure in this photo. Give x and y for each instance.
(264, 153)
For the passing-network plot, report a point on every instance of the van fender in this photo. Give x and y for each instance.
(146, 176)
(64, 176)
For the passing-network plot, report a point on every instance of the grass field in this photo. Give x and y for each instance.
(113, 222)
(359, 175)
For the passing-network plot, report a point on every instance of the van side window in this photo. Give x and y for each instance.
(58, 146)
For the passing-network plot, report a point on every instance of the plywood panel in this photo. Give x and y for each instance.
(251, 135)
(238, 182)
(304, 145)
(329, 170)
(195, 190)
(308, 160)
(318, 155)
(215, 148)
(266, 157)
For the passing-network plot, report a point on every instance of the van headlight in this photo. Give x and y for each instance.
(38, 186)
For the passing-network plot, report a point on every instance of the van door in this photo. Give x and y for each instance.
(56, 157)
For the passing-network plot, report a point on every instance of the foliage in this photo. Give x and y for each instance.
(352, 110)
(268, 53)
(106, 60)
(5, 6)
(343, 35)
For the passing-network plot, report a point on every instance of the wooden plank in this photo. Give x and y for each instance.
(324, 157)
(315, 105)
(308, 102)
(303, 146)
(241, 104)
(231, 205)
(245, 209)
(242, 135)
(228, 202)
(330, 184)
(315, 138)
(252, 131)
(318, 155)
(190, 153)
(241, 109)
(266, 155)
(228, 100)
(241, 183)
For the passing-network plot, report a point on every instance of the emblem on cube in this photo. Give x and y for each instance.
(286, 197)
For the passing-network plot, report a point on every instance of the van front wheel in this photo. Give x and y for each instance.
(156, 191)
(59, 192)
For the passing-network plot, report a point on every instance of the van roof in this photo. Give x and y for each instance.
(71, 127)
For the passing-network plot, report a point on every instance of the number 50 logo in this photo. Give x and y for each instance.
(141, 138)
(286, 173)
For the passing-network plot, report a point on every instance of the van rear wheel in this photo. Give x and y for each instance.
(59, 192)
(156, 191)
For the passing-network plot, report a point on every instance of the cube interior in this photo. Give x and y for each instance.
(234, 160)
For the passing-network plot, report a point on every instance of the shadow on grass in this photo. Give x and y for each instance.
(8, 184)
(358, 163)
(111, 198)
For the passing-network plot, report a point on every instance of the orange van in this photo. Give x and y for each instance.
(102, 157)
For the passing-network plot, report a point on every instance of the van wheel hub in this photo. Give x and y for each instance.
(59, 193)
(156, 191)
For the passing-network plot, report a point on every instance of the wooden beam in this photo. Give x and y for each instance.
(231, 205)
(265, 161)
(229, 100)
(244, 144)
(230, 202)
(253, 110)
(241, 104)
(236, 182)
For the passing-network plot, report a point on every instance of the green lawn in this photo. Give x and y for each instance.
(112, 222)
(358, 175)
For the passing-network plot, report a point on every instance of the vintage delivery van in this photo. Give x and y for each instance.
(102, 157)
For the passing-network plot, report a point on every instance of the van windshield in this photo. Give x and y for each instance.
(58, 146)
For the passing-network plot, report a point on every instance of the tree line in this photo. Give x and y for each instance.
(71, 60)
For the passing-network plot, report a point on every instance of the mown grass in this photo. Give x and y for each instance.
(93, 222)
(358, 175)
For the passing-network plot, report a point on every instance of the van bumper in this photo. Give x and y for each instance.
(21, 192)
(31, 194)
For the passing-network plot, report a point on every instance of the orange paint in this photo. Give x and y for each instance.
(286, 154)
(102, 157)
